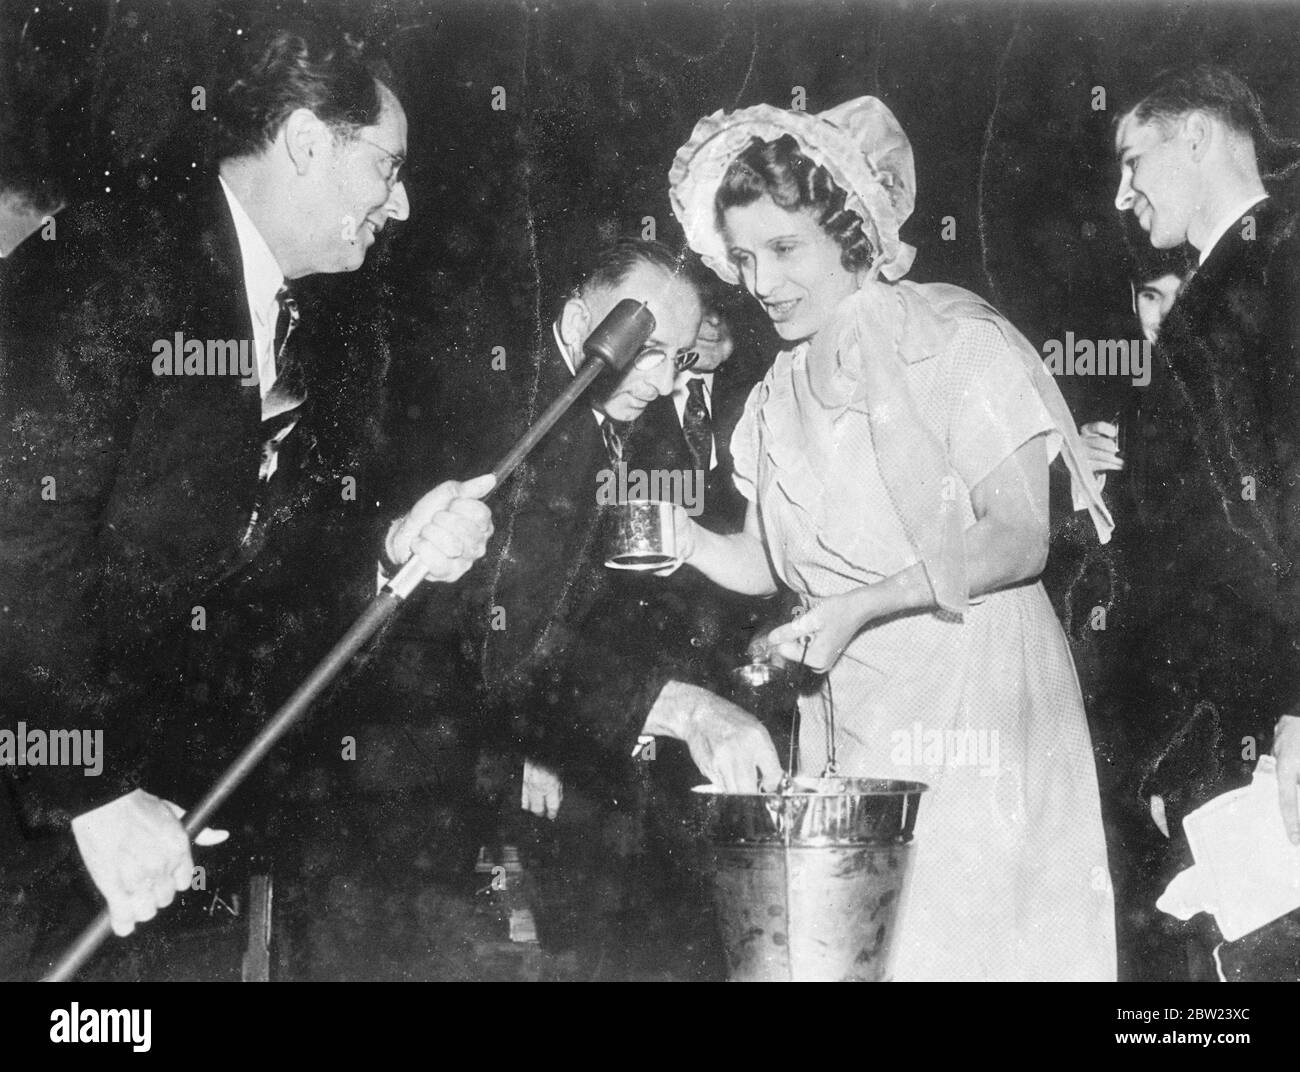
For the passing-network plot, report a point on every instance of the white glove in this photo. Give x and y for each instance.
(543, 791)
(138, 855)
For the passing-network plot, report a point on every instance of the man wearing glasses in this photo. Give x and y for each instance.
(579, 672)
(579, 695)
(198, 544)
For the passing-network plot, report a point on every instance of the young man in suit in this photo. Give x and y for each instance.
(1211, 670)
(177, 534)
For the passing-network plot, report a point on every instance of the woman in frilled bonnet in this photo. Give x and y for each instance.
(895, 458)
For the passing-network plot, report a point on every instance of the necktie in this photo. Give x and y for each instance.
(279, 407)
(288, 391)
(285, 323)
(698, 425)
(613, 435)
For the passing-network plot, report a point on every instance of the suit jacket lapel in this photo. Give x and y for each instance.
(196, 444)
(543, 555)
(657, 440)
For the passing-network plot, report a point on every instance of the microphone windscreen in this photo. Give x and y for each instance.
(619, 337)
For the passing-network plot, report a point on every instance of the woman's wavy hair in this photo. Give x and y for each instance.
(779, 170)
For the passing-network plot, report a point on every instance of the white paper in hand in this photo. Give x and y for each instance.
(1247, 872)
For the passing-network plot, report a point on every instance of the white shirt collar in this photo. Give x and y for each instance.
(262, 275)
(564, 350)
(1228, 220)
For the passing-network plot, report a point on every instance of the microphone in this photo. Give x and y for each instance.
(619, 337)
(615, 342)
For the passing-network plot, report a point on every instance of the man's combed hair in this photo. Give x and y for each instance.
(299, 68)
(1217, 91)
(1150, 263)
(613, 263)
(779, 170)
(1206, 88)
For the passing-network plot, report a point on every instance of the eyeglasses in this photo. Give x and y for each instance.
(396, 161)
(653, 357)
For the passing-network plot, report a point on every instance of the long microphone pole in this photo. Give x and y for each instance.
(613, 344)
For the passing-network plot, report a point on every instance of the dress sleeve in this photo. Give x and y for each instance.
(744, 447)
(997, 409)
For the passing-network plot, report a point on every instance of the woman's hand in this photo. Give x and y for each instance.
(1101, 442)
(684, 530)
(737, 560)
(761, 649)
(829, 628)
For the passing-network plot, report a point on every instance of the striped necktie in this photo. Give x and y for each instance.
(697, 425)
(280, 406)
(285, 324)
(613, 433)
(288, 392)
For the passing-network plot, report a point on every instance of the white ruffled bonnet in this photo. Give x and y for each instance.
(858, 142)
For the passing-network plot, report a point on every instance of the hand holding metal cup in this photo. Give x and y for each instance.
(644, 537)
(684, 535)
(766, 663)
(651, 535)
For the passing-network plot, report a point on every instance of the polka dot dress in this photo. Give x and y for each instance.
(1009, 877)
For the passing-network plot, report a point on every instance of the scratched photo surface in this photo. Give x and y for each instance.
(383, 838)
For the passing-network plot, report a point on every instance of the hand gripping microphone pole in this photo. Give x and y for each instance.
(614, 343)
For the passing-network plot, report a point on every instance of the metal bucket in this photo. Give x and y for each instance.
(807, 882)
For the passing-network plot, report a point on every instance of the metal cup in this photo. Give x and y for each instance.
(645, 536)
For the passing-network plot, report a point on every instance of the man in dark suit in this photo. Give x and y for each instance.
(581, 691)
(1211, 672)
(690, 429)
(666, 899)
(587, 665)
(181, 527)
(686, 436)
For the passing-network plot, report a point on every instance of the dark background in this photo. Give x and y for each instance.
(95, 103)
(997, 99)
